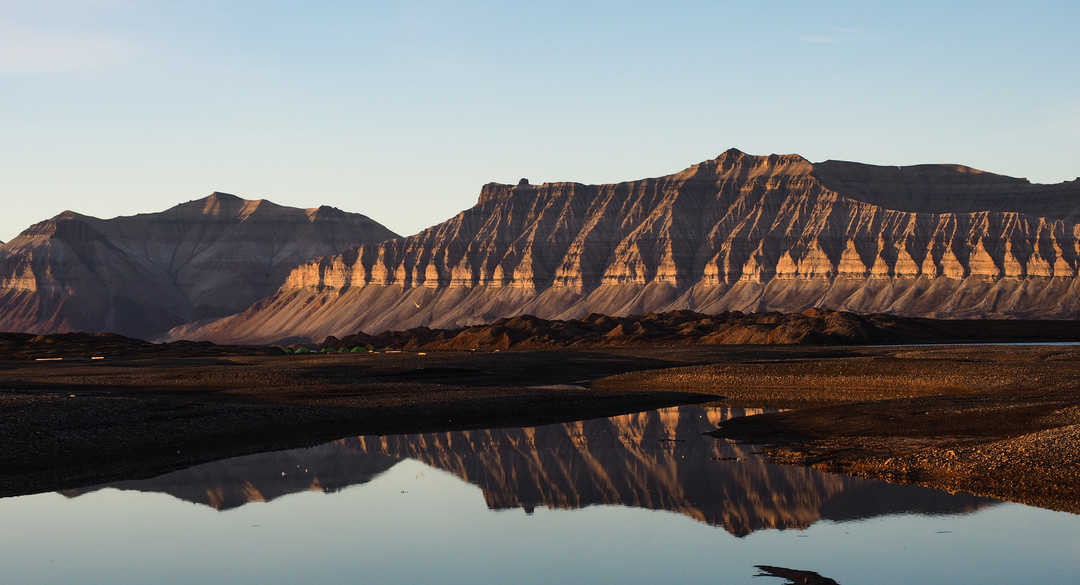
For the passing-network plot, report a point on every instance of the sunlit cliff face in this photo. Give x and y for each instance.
(739, 232)
(656, 460)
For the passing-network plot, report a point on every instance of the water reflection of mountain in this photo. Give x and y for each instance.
(657, 460)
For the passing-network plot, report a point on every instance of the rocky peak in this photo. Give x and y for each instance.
(492, 191)
(217, 205)
(67, 214)
(62, 224)
(324, 212)
(496, 191)
(142, 274)
(218, 198)
(734, 163)
(738, 232)
(734, 156)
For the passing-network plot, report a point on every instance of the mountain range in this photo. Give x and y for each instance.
(736, 233)
(141, 275)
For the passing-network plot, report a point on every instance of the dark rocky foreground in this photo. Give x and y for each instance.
(793, 576)
(75, 422)
(90, 346)
(811, 327)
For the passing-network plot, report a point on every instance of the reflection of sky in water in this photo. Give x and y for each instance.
(441, 530)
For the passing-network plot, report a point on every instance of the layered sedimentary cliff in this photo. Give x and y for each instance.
(657, 460)
(141, 275)
(739, 232)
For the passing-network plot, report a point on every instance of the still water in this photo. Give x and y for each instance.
(639, 498)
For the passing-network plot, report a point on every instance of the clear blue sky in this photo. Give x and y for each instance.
(402, 110)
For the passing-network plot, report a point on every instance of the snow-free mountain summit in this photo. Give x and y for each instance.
(738, 232)
(140, 275)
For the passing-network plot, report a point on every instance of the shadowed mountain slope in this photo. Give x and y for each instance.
(739, 232)
(140, 275)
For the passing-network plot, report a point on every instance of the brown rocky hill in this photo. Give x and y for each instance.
(90, 346)
(739, 232)
(812, 327)
(142, 274)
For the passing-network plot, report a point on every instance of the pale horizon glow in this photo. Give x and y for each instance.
(401, 111)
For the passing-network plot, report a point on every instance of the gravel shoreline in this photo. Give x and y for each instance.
(999, 421)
